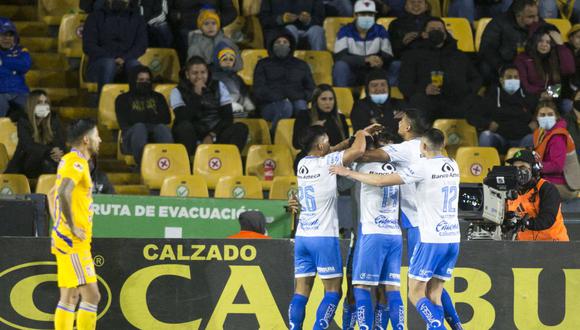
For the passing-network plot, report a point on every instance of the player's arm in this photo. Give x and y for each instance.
(344, 144)
(375, 155)
(357, 149)
(393, 179)
(65, 198)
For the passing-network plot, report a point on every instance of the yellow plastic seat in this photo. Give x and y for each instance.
(8, 136)
(92, 87)
(107, 115)
(163, 62)
(184, 186)
(344, 100)
(563, 26)
(131, 189)
(213, 161)
(251, 8)
(511, 152)
(52, 11)
(45, 183)
(284, 133)
(239, 187)
(320, 62)
(276, 156)
(460, 29)
(283, 187)
(331, 26)
(458, 133)
(386, 21)
(165, 89)
(251, 58)
(3, 158)
(14, 184)
(435, 7)
(259, 132)
(161, 161)
(70, 35)
(480, 27)
(475, 162)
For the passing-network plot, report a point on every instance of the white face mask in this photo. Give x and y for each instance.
(365, 22)
(511, 85)
(42, 110)
(547, 122)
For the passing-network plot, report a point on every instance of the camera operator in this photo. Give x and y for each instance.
(537, 204)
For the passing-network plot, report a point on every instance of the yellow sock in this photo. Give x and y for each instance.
(87, 316)
(64, 317)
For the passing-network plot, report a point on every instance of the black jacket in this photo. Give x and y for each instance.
(132, 108)
(183, 13)
(335, 135)
(364, 111)
(276, 79)
(461, 79)
(549, 205)
(403, 25)
(513, 113)
(114, 34)
(271, 12)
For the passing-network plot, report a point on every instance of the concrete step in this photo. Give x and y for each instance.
(32, 29)
(39, 44)
(49, 61)
(124, 178)
(113, 165)
(52, 78)
(18, 12)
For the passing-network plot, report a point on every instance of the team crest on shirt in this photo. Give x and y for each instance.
(78, 166)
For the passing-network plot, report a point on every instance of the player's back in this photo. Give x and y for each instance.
(318, 196)
(73, 166)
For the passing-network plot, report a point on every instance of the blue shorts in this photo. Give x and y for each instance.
(377, 260)
(433, 260)
(317, 255)
(413, 238)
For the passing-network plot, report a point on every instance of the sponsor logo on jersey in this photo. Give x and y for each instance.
(445, 228)
(383, 222)
(303, 173)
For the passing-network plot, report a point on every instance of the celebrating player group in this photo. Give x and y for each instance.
(409, 184)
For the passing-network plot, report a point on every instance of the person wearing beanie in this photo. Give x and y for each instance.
(15, 62)
(253, 226)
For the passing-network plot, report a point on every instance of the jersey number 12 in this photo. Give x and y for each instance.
(449, 197)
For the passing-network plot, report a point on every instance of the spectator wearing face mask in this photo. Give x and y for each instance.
(377, 107)
(505, 115)
(41, 143)
(15, 61)
(360, 46)
(283, 84)
(142, 114)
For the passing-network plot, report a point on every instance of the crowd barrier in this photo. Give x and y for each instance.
(244, 284)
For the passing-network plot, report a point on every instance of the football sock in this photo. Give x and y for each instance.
(64, 316)
(87, 317)
(364, 308)
(450, 313)
(348, 315)
(430, 314)
(297, 311)
(381, 317)
(326, 310)
(396, 309)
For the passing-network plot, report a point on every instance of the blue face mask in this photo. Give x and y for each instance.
(511, 85)
(379, 98)
(547, 122)
(365, 22)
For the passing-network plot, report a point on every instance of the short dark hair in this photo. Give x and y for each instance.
(435, 138)
(195, 60)
(519, 5)
(78, 129)
(434, 19)
(418, 119)
(311, 135)
(505, 67)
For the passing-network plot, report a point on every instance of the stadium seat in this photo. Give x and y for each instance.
(320, 62)
(480, 27)
(131, 189)
(213, 161)
(92, 87)
(3, 158)
(107, 115)
(14, 184)
(259, 132)
(283, 187)
(70, 35)
(460, 29)
(127, 158)
(163, 62)
(8, 136)
(244, 187)
(435, 7)
(184, 186)
(458, 133)
(165, 89)
(331, 26)
(251, 8)
(386, 21)
(511, 152)
(163, 160)
(284, 134)
(45, 183)
(52, 11)
(251, 58)
(344, 100)
(276, 156)
(475, 162)
(562, 24)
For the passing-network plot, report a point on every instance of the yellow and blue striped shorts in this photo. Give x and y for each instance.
(75, 269)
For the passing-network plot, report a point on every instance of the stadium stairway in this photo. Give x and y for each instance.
(58, 76)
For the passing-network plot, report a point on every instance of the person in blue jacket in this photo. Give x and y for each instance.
(15, 61)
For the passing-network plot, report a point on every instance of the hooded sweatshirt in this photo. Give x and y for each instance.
(14, 63)
(555, 156)
(276, 79)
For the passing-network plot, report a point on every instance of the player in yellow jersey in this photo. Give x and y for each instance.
(71, 204)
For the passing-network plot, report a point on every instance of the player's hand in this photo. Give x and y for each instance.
(374, 128)
(339, 170)
(78, 233)
(293, 204)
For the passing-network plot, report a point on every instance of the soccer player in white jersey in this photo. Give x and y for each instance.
(437, 186)
(402, 155)
(317, 248)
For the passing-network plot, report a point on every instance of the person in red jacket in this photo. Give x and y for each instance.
(253, 225)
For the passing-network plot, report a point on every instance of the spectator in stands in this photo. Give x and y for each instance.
(406, 30)
(142, 114)
(203, 41)
(360, 46)
(545, 62)
(303, 19)
(252, 224)
(569, 10)
(390, 8)
(113, 38)
(41, 142)
(571, 118)
(378, 107)
(505, 115)
(183, 17)
(437, 77)
(226, 72)
(323, 112)
(572, 83)
(101, 183)
(475, 9)
(203, 110)
(505, 37)
(155, 14)
(283, 84)
(337, 8)
(553, 143)
(15, 61)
